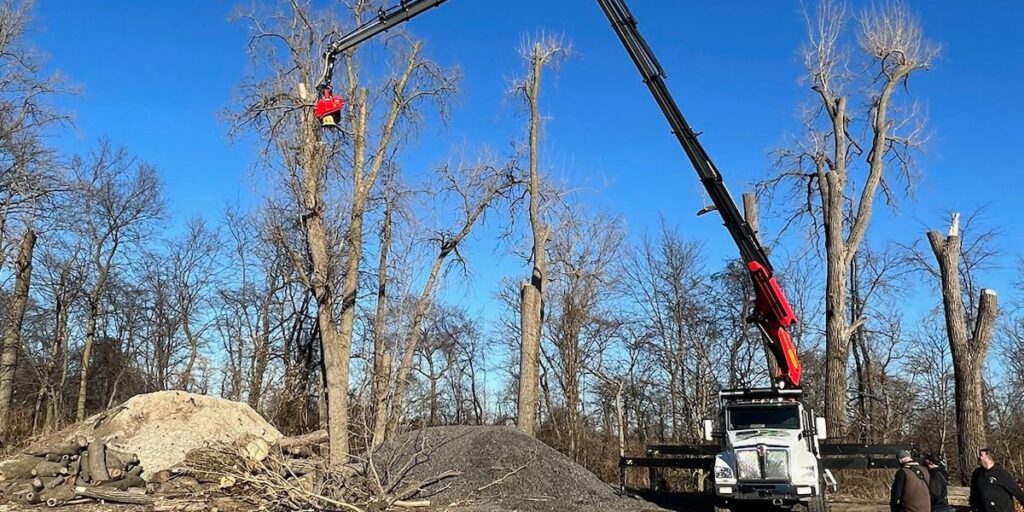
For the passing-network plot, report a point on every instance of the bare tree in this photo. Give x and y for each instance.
(540, 54)
(825, 170)
(61, 278)
(665, 284)
(968, 343)
(28, 175)
(118, 198)
(193, 270)
(286, 44)
(582, 255)
(476, 189)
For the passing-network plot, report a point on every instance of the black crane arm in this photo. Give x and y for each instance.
(328, 105)
(772, 312)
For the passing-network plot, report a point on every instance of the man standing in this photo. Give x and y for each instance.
(910, 491)
(992, 487)
(939, 483)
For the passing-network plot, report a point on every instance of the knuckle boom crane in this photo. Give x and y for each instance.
(773, 314)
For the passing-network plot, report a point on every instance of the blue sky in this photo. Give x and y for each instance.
(154, 76)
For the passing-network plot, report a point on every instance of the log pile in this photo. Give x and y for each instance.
(72, 471)
(230, 477)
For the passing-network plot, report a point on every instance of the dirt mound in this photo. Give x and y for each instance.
(504, 469)
(162, 427)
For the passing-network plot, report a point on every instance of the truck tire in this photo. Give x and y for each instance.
(818, 503)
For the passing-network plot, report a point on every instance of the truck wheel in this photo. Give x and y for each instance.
(817, 504)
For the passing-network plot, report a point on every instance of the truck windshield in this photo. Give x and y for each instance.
(746, 418)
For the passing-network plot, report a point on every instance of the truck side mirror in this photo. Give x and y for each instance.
(709, 430)
(820, 428)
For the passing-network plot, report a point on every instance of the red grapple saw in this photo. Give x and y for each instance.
(328, 107)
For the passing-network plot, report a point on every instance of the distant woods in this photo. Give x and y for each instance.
(339, 299)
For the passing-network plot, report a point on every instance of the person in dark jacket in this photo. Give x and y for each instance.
(992, 487)
(938, 483)
(910, 491)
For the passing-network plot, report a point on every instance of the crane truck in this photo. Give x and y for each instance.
(769, 441)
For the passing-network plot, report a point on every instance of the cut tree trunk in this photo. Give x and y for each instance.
(750, 214)
(532, 292)
(968, 351)
(98, 461)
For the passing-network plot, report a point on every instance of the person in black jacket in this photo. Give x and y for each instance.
(992, 487)
(910, 491)
(938, 484)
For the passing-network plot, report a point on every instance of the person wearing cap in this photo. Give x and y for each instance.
(993, 489)
(938, 484)
(910, 492)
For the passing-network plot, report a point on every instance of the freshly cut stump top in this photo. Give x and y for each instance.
(504, 469)
(162, 427)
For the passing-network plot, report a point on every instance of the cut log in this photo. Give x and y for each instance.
(56, 482)
(16, 469)
(83, 469)
(125, 459)
(73, 470)
(317, 437)
(257, 450)
(47, 468)
(32, 497)
(58, 496)
(124, 483)
(37, 484)
(114, 496)
(66, 448)
(98, 461)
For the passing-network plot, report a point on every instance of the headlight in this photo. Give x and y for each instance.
(723, 472)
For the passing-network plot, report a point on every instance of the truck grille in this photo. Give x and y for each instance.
(769, 464)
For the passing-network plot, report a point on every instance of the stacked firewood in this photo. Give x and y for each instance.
(72, 471)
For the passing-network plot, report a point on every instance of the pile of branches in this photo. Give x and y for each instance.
(73, 471)
(294, 475)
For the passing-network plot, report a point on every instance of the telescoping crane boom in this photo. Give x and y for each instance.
(772, 312)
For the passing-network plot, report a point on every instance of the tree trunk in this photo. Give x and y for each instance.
(968, 352)
(837, 347)
(12, 332)
(412, 341)
(532, 293)
(753, 219)
(381, 359)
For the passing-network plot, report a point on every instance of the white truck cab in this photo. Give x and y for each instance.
(770, 450)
